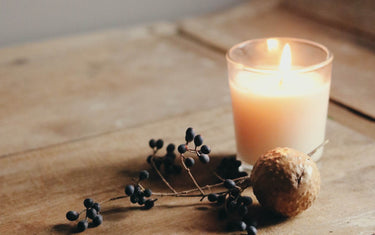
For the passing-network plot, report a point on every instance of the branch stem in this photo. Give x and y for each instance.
(191, 175)
(318, 147)
(161, 176)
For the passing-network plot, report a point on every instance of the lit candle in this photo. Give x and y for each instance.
(278, 105)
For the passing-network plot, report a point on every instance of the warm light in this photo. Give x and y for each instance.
(286, 59)
(272, 44)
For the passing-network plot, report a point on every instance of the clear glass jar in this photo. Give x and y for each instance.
(279, 95)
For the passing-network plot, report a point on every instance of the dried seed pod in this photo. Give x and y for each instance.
(286, 181)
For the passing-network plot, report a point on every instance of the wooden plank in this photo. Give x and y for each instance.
(71, 88)
(356, 16)
(351, 119)
(38, 187)
(354, 61)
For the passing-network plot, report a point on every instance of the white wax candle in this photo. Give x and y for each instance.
(282, 109)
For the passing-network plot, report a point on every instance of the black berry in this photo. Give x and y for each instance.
(96, 206)
(82, 225)
(147, 192)
(189, 162)
(204, 158)
(137, 190)
(72, 215)
(235, 192)
(251, 230)
(149, 204)
(229, 184)
(159, 144)
(133, 199)
(88, 202)
(205, 149)
(91, 213)
(98, 220)
(189, 136)
(239, 226)
(143, 175)
(152, 143)
(212, 197)
(141, 200)
(198, 140)
(171, 148)
(182, 148)
(246, 200)
(129, 189)
(139, 193)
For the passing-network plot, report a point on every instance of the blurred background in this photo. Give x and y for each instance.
(25, 20)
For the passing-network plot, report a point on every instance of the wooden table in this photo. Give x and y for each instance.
(77, 114)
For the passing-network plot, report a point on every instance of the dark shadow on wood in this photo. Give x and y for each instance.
(263, 217)
(118, 213)
(65, 228)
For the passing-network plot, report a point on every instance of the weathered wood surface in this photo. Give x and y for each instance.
(70, 88)
(346, 117)
(353, 73)
(357, 16)
(38, 187)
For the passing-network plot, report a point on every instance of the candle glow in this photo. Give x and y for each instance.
(279, 108)
(285, 62)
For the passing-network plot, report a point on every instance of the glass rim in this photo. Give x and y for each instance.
(326, 61)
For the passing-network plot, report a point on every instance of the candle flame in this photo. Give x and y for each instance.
(286, 59)
(285, 62)
(272, 44)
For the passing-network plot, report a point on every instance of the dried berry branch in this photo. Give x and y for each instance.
(230, 199)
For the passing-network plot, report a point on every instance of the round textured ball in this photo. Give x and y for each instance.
(286, 181)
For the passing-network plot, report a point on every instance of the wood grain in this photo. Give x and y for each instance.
(348, 118)
(38, 187)
(353, 69)
(71, 88)
(356, 16)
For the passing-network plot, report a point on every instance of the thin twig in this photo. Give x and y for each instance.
(216, 174)
(198, 155)
(240, 179)
(82, 211)
(178, 195)
(191, 176)
(318, 147)
(161, 176)
(113, 199)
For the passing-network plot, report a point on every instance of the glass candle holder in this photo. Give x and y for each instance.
(280, 91)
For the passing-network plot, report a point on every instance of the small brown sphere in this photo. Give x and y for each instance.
(286, 181)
